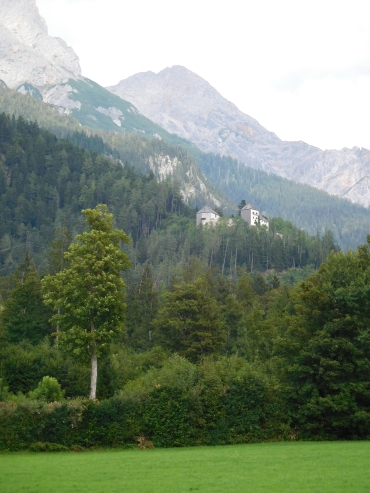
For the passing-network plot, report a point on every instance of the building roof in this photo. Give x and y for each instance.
(249, 206)
(207, 209)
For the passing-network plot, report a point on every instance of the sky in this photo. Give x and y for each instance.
(301, 68)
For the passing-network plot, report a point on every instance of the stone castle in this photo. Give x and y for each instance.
(249, 214)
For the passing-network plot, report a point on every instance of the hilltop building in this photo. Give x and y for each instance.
(251, 215)
(206, 216)
(264, 221)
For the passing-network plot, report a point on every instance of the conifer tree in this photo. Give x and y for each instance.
(142, 308)
(24, 316)
(325, 350)
(190, 321)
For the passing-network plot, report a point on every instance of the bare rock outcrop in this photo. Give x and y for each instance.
(185, 104)
(27, 52)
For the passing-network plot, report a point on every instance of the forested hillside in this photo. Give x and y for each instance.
(45, 182)
(122, 323)
(158, 155)
(306, 207)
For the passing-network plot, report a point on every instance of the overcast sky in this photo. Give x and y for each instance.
(301, 68)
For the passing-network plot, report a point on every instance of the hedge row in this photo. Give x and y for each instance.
(245, 412)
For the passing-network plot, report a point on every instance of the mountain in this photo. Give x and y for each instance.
(309, 208)
(183, 103)
(34, 63)
(165, 161)
(27, 53)
(45, 182)
(94, 118)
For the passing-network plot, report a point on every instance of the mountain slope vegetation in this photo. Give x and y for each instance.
(305, 206)
(156, 155)
(45, 182)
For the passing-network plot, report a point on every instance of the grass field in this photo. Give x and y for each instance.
(269, 468)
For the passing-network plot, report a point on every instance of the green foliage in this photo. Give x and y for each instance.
(255, 359)
(143, 302)
(190, 321)
(325, 351)
(24, 365)
(131, 143)
(48, 390)
(4, 390)
(47, 447)
(89, 294)
(44, 184)
(61, 241)
(175, 373)
(243, 405)
(23, 315)
(308, 208)
(191, 406)
(167, 418)
(52, 180)
(260, 285)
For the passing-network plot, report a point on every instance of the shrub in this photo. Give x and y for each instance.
(48, 390)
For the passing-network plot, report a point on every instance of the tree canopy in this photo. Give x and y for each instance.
(89, 294)
(325, 351)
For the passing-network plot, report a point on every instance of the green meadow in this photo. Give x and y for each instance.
(314, 467)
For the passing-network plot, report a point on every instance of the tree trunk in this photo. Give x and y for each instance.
(57, 335)
(94, 376)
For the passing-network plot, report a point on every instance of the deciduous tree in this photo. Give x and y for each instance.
(90, 292)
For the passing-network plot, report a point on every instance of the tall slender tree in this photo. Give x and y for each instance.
(90, 292)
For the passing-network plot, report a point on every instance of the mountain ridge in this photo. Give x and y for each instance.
(186, 104)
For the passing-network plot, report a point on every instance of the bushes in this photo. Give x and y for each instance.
(244, 407)
(167, 418)
(47, 447)
(216, 404)
(23, 366)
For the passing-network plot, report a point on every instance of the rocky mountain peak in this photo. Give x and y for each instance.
(185, 104)
(27, 52)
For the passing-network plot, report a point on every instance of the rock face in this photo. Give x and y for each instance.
(185, 104)
(27, 53)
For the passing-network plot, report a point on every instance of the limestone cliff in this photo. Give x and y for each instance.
(27, 53)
